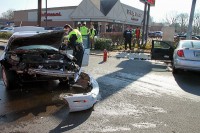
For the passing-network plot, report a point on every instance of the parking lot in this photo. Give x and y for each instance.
(135, 96)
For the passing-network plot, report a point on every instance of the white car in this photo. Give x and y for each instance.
(184, 56)
(32, 54)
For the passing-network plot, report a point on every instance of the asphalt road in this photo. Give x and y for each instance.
(135, 96)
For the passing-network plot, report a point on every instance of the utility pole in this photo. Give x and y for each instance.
(39, 12)
(147, 4)
(147, 24)
(189, 30)
(46, 14)
(144, 23)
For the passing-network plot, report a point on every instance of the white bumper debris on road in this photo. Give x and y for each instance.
(83, 95)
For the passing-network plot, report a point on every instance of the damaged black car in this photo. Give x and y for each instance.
(35, 56)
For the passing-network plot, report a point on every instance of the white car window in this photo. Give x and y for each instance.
(196, 45)
(191, 44)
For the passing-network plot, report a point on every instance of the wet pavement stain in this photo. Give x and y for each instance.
(28, 114)
(33, 100)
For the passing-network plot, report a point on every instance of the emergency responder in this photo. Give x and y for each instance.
(128, 37)
(137, 35)
(84, 30)
(75, 41)
(134, 38)
(92, 34)
(79, 26)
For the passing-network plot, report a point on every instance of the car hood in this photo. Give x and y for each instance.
(53, 39)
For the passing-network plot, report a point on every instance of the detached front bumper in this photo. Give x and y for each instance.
(82, 101)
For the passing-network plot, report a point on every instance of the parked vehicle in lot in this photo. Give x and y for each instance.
(2, 27)
(183, 37)
(151, 34)
(198, 36)
(158, 33)
(185, 56)
(33, 54)
(8, 29)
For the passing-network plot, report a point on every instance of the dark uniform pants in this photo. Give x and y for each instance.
(78, 54)
(127, 41)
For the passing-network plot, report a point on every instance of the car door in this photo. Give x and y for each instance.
(162, 50)
(86, 43)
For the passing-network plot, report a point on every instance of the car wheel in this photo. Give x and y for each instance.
(8, 78)
(63, 81)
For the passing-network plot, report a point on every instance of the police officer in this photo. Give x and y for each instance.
(128, 37)
(75, 41)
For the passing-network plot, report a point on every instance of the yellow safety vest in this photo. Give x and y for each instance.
(92, 34)
(84, 30)
(78, 35)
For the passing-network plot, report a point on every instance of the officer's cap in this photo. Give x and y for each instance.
(68, 26)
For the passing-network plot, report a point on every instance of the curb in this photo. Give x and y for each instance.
(3, 41)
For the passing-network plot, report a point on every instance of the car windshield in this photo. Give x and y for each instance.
(191, 44)
(37, 47)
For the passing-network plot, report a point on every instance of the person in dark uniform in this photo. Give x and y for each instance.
(128, 37)
(75, 41)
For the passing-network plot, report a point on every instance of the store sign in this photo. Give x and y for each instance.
(151, 2)
(51, 14)
(133, 16)
(133, 13)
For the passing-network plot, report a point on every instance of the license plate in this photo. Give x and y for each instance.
(197, 54)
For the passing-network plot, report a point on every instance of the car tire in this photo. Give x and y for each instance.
(62, 81)
(9, 78)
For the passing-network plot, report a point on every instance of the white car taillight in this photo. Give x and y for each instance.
(180, 53)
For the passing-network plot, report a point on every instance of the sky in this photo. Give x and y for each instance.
(159, 12)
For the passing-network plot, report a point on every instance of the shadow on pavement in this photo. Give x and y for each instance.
(130, 71)
(70, 120)
(188, 81)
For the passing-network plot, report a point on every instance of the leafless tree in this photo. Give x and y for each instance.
(182, 20)
(8, 15)
(196, 23)
(171, 18)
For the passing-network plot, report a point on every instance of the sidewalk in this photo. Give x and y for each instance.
(3, 41)
(133, 54)
(136, 54)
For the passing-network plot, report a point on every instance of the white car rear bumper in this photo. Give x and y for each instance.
(187, 64)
